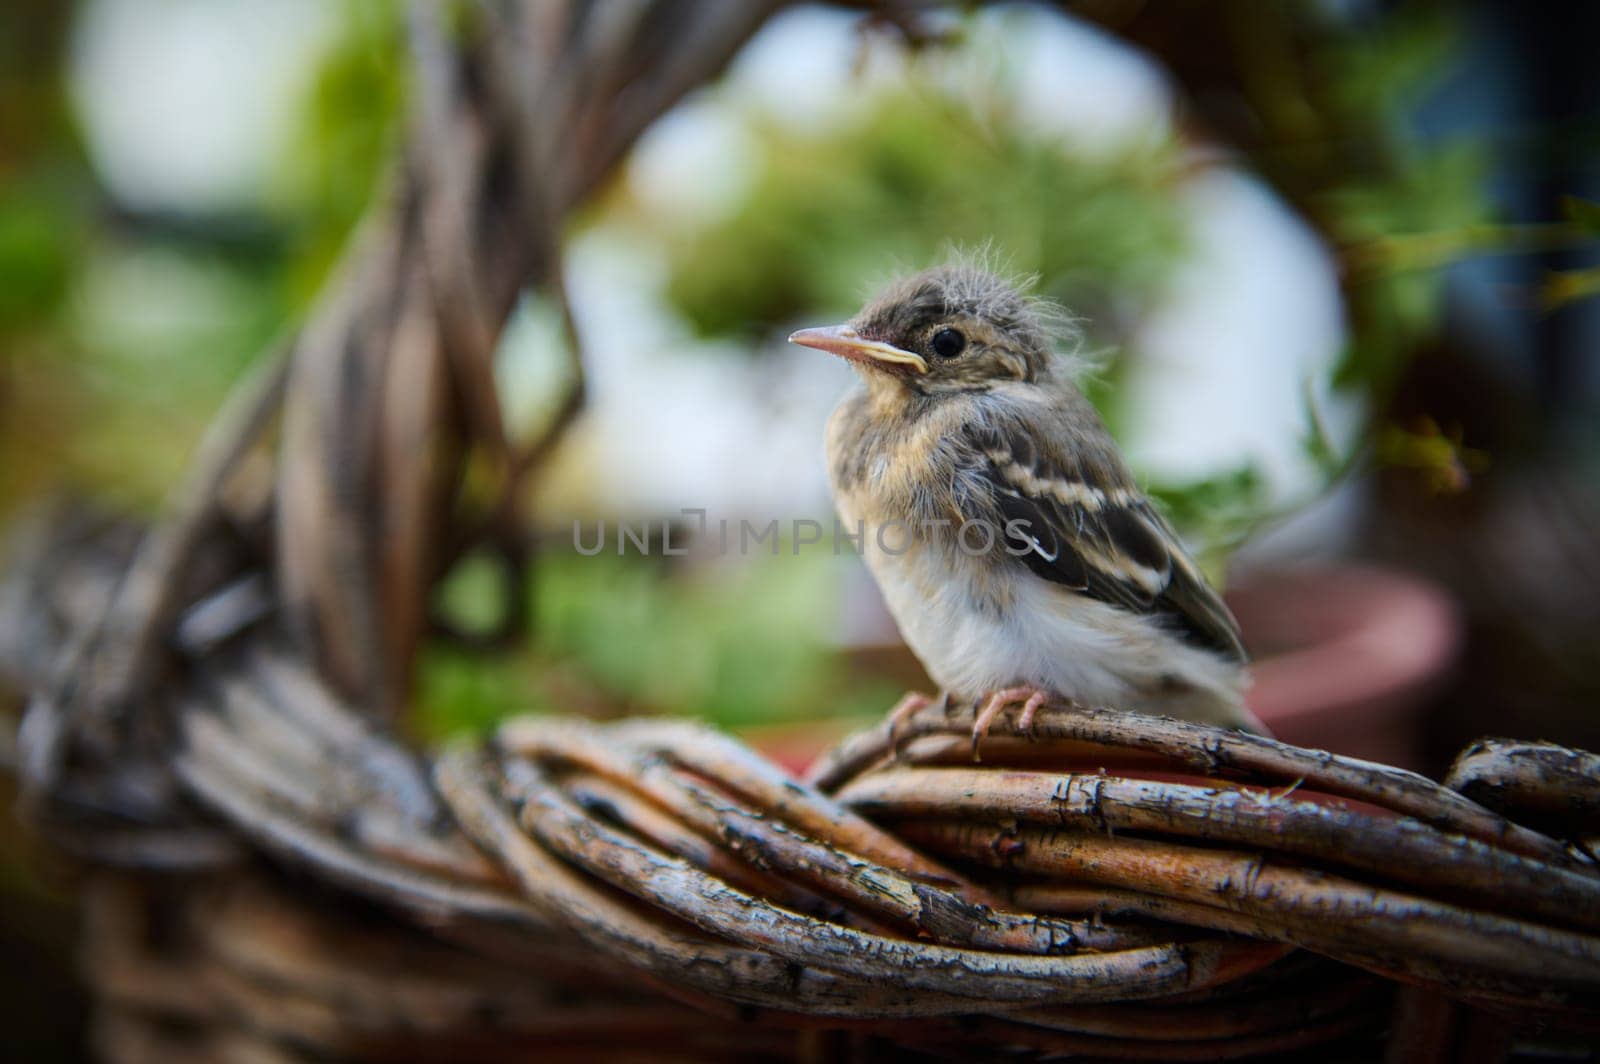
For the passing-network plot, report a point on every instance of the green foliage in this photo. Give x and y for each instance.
(728, 643)
(915, 175)
(154, 336)
(43, 187)
(734, 644)
(1374, 74)
(347, 135)
(1399, 205)
(1585, 214)
(1217, 513)
(463, 694)
(1569, 286)
(1445, 464)
(123, 333)
(40, 241)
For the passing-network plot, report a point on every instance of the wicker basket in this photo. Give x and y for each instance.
(271, 872)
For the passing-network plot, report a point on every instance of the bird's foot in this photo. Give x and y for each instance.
(911, 703)
(1031, 699)
(1029, 708)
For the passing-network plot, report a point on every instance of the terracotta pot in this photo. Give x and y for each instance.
(1346, 656)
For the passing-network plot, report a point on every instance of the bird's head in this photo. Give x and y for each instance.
(947, 330)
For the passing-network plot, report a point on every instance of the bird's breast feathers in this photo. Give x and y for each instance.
(1084, 588)
(978, 626)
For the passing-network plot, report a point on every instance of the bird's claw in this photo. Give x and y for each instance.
(1029, 709)
(910, 704)
(997, 702)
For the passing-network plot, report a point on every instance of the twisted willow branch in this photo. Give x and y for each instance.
(1105, 858)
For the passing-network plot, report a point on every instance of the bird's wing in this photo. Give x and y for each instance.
(1106, 542)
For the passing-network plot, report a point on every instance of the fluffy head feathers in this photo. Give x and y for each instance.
(1000, 332)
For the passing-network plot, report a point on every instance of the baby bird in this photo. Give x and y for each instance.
(1017, 554)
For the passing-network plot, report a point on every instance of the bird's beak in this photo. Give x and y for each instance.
(845, 342)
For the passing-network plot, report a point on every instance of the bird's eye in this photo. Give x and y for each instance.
(947, 343)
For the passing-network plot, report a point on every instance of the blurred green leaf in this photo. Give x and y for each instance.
(1441, 458)
(348, 131)
(1375, 73)
(1428, 210)
(1216, 513)
(831, 211)
(1585, 214)
(1569, 286)
(39, 245)
(461, 694)
(737, 643)
(733, 643)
